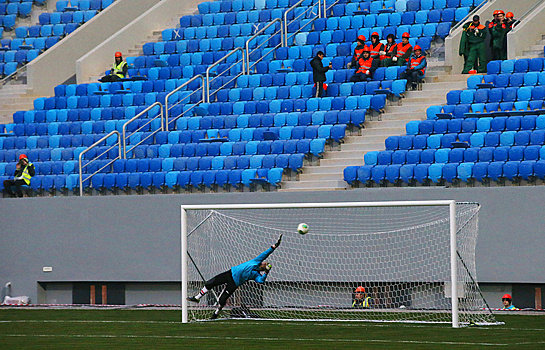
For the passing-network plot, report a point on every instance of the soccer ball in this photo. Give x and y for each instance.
(302, 228)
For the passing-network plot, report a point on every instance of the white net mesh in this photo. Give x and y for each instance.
(399, 255)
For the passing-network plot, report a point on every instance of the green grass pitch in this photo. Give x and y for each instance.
(161, 329)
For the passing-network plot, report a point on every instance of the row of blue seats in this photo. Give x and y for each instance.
(246, 5)
(509, 80)
(522, 65)
(47, 30)
(82, 5)
(456, 155)
(509, 94)
(460, 110)
(21, 9)
(20, 56)
(78, 17)
(449, 173)
(483, 124)
(158, 180)
(75, 115)
(479, 139)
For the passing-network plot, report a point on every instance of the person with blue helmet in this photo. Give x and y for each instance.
(256, 270)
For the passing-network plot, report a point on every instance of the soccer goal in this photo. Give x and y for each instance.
(410, 261)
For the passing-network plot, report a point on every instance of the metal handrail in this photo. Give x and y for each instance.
(536, 5)
(167, 122)
(208, 81)
(330, 6)
(257, 47)
(81, 180)
(286, 24)
(8, 78)
(136, 117)
(469, 15)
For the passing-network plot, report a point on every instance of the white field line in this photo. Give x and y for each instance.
(325, 340)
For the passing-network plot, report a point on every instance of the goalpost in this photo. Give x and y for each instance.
(414, 259)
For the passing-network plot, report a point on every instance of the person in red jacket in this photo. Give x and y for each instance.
(416, 68)
(388, 49)
(366, 67)
(376, 46)
(358, 50)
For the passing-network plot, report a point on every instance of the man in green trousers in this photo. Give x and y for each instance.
(472, 46)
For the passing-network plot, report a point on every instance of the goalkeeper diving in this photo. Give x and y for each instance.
(256, 269)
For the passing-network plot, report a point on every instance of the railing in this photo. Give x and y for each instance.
(271, 51)
(160, 115)
(208, 81)
(536, 5)
(167, 108)
(327, 7)
(81, 166)
(286, 24)
(12, 76)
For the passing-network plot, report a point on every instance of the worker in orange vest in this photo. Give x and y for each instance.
(358, 50)
(401, 53)
(367, 66)
(416, 68)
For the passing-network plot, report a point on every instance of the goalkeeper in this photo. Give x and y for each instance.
(237, 276)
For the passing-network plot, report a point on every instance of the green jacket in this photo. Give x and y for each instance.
(498, 33)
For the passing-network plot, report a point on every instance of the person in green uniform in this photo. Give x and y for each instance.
(498, 32)
(472, 45)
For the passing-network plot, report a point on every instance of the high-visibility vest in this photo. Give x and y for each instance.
(415, 62)
(402, 49)
(365, 64)
(391, 49)
(358, 52)
(375, 50)
(25, 175)
(361, 302)
(118, 69)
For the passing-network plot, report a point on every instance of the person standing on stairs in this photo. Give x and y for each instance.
(318, 72)
(474, 34)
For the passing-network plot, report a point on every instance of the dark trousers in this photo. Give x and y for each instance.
(223, 278)
(15, 183)
(319, 88)
(357, 77)
(413, 77)
(109, 78)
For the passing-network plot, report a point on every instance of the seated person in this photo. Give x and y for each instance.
(358, 50)
(376, 46)
(24, 171)
(401, 53)
(118, 71)
(416, 68)
(506, 300)
(388, 50)
(360, 300)
(367, 66)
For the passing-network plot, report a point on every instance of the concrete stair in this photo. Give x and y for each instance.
(328, 175)
(13, 98)
(535, 50)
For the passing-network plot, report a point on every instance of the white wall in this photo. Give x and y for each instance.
(527, 33)
(452, 42)
(57, 64)
(100, 58)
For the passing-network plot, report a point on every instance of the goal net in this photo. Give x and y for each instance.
(387, 262)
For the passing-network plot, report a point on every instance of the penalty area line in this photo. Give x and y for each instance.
(325, 340)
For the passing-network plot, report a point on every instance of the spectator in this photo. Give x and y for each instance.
(474, 34)
(387, 49)
(318, 72)
(358, 50)
(360, 300)
(24, 171)
(416, 68)
(401, 53)
(498, 32)
(367, 66)
(506, 300)
(510, 20)
(118, 71)
(376, 46)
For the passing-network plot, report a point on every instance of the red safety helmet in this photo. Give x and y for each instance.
(417, 47)
(361, 38)
(507, 296)
(501, 12)
(23, 156)
(366, 49)
(510, 15)
(496, 12)
(360, 289)
(375, 34)
(118, 54)
(406, 35)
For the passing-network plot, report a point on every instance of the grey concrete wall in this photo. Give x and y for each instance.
(136, 238)
(58, 64)
(452, 42)
(527, 33)
(100, 58)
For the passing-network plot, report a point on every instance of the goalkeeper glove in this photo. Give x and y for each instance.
(268, 268)
(278, 242)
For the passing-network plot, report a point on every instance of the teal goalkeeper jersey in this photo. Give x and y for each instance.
(249, 270)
